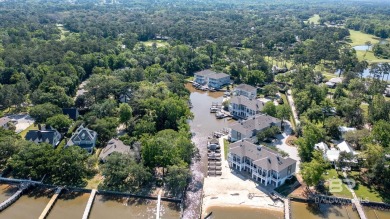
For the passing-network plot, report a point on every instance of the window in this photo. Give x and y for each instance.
(289, 168)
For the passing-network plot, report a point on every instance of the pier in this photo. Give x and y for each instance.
(50, 205)
(287, 208)
(89, 204)
(158, 205)
(14, 197)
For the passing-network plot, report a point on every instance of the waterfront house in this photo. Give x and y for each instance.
(201, 77)
(246, 90)
(243, 107)
(263, 164)
(245, 129)
(114, 145)
(73, 113)
(4, 121)
(333, 154)
(84, 138)
(218, 80)
(44, 135)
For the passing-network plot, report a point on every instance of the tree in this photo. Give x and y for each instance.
(339, 92)
(270, 90)
(332, 125)
(267, 133)
(125, 113)
(9, 146)
(269, 108)
(379, 109)
(283, 112)
(44, 111)
(177, 177)
(345, 159)
(357, 138)
(106, 108)
(255, 77)
(105, 128)
(312, 171)
(59, 121)
(311, 136)
(381, 133)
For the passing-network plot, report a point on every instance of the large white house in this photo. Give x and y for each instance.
(265, 165)
(248, 128)
(243, 107)
(212, 79)
(246, 90)
(201, 77)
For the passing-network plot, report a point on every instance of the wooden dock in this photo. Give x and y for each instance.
(51, 203)
(5, 204)
(286, 208)
(158, 205)
(89, 204)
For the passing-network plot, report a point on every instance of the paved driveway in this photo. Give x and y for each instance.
(23, 121)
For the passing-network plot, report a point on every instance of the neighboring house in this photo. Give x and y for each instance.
(250, 127)
(115, 145)
(246, 90)
(201, 77)
(265, 165)
(84, 138)
(218, 80)
(125, 96)
(4, 122)
(333, 154)
(243, 107)
(344, 129)
(387, 92)
(333, 82)
(46, 135)
(73, 113)
(322, 147)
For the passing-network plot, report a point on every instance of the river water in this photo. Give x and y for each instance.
(310, 211)
(203, 124)
(243, 212)
(69, 205)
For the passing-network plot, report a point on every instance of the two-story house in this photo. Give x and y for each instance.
(201, 77)
(44, 135)
(84, 138)
(242, 107)
(248, 128)
(218, 80)
(263, 164)
(246, 90)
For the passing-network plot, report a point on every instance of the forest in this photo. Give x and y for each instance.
(146, 50)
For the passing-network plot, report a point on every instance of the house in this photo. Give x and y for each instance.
(218, 80)
(73, 113)
(246, 90)
(344, 129)
(243, 107)
(4, 121)
(46, 135)
(116, 145)
(201, 77)
(263, 164)
(125, 96)
(333, 154)
(321, 147)
(250, 127)
(84, 138)
(333, 82)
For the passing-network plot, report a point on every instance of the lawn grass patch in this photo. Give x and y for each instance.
(225, 148)
(315, 19)
(332, 174)
(159, 43)
(363, 190)
(359, 38)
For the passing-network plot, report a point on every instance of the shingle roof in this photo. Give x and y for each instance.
(245, 87)
(205, 72)
(71, 112)
(257, 122)
(262, 156)
(47, 136)
(114, 145)
(218, 75)
(82, 134)
(252, 104)
(4, 120)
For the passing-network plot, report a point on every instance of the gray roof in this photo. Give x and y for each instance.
(85, 135)
(51, 136)
(252, 104)
(257, 122)
(245, 87)
(336, 80)
(114, 145)
(218, 75)
(262, 156)
(205, 72)
(4, 120)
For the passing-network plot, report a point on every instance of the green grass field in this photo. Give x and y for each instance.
(315, 19)
(332, 174)
(359, 38)
(159, 43)
(363, 191)
(225, 148)
(64, 32)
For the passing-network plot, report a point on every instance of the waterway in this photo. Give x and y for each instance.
(203, 124)
(69, 205)
(375, 214)
(7, 191)
(312, 211)
(243, 212)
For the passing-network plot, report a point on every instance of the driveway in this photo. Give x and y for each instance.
(280, 143)
(23, 121)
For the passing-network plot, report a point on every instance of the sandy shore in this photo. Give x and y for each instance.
(232, 190)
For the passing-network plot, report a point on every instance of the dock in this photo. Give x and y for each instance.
(287, 208)
(89, 204)
(158, 205)
(5, 204)
(51, 203)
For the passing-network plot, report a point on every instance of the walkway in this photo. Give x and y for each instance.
(49, 205)
(158, 205)
(356, 200)
(292, 106)
(89, 204)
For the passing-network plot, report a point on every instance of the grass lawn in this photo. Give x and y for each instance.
(31, 127)
(359, 38)
(364, 107)
(225, 148)
(363, 191)
(159, 43)
(273, 61)
(332, 174)
(369, 57)
(64, 32)
(315, 19)
(292, 120)
(94, 182)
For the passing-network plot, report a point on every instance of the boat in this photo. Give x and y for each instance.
(214, 109)
(220, 115)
